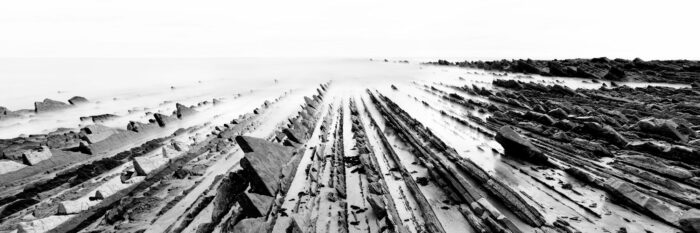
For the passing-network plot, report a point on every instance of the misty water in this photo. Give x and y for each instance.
(134, 88)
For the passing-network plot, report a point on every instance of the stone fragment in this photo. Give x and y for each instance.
(36, 155)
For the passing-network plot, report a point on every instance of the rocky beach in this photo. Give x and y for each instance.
(376, 145)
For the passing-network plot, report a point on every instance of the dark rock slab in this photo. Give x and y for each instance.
(77, 100)
(539, 117)
(36, 155)
(183, 111)
(255, 205)
(662, 127)
(99, 118)
(378, 205)
(163, 120)
(139, 127)
(116, 140)
(96, 133)
(627, 193)
(49, 105)
(310, 102)
(263, 163)
(516, 146)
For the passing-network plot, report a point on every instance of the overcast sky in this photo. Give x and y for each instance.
(358, 28)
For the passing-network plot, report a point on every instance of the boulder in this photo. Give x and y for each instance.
(49, 105)
(77, 100)
(517, 146)
(36, 155)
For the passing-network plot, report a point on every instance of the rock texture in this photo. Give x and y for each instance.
(514, 154)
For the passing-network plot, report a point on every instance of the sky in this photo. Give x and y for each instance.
(472, 29)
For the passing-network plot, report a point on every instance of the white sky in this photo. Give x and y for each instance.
(358, 28)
